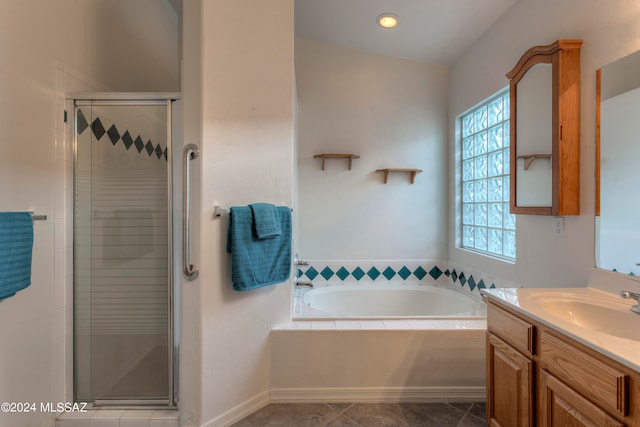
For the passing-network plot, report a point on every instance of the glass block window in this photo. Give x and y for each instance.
(486, 224)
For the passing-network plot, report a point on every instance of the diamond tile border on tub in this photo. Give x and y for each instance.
(375, 271)
(397, 272)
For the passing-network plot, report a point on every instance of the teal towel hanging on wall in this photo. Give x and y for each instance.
(258, 262)
(16, 249)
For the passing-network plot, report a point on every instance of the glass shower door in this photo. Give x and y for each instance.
(123, 341)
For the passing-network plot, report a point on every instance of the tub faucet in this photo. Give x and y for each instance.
(634, 295)
(304, 284)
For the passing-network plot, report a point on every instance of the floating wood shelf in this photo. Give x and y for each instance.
(528, 159)
(337, 156)
(412, 173)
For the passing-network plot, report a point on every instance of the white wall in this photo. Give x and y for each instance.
(391, 112)
(49, 48)
(610, 30)
(190, 385)
(247, 121)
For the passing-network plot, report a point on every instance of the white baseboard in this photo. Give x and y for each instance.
(239, 412)
(378, 394)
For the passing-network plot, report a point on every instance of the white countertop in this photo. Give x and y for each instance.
(528, 301)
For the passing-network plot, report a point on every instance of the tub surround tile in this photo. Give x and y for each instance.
(421, 324)
(397, 324)
(323, 325)
(397, 272)
(366, 271)
(382, 324)
(348, 325)
(372, 324)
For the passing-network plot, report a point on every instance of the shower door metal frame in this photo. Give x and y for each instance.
(140, 99)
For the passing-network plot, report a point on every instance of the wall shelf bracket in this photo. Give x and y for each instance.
(412, 173)
(529, 158)
(337, 156)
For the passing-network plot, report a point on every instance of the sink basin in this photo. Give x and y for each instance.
(606, 316)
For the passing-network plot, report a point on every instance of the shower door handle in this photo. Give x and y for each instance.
(190, 271)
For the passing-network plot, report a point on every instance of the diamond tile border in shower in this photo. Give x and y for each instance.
(98, 130)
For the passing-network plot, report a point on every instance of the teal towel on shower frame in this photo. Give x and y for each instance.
(16, 247)
(258, 262)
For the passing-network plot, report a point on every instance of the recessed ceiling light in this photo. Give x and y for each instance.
(387, 20)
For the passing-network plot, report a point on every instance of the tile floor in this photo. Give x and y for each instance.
(456, 414)
(120, 418)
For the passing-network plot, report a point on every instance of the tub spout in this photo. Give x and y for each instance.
(304, 284)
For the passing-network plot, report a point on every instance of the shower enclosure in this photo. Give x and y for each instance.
(124, 342)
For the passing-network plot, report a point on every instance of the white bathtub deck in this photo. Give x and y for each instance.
(384, 324)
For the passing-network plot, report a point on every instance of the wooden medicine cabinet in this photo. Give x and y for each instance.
(545, 130)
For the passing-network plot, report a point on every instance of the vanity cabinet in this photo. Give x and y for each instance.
(545, 130)
(537, 376)
(510, 370)
(561, 406)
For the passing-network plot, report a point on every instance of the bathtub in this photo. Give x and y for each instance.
(380, 342)
(388, 301)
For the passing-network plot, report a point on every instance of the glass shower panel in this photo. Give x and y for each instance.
(122, 254)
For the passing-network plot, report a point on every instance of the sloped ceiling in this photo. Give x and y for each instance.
(436, 31)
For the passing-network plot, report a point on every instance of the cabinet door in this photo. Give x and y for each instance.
(509, 385)
(545, 130)
(560, 406)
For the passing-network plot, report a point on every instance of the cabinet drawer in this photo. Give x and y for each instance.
(515, 331)
(593, 378)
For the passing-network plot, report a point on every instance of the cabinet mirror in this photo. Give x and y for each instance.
(545, 130)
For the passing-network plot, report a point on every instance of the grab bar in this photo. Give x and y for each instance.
(190, 271)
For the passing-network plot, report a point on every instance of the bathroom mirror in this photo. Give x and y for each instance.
(533, 128)
(617, 127)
